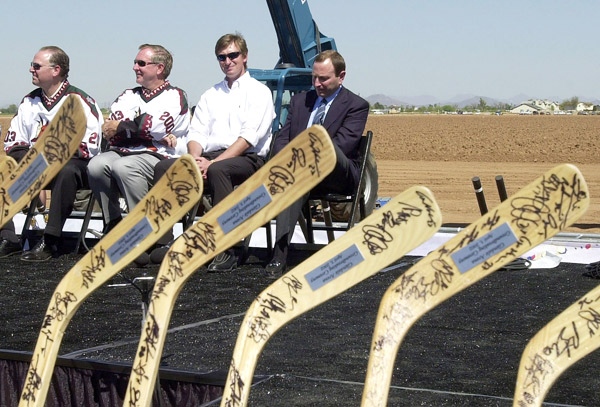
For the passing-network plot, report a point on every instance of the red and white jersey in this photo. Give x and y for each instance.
(156, 114)
(36, 111)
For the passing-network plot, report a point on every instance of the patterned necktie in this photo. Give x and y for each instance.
(318, 119)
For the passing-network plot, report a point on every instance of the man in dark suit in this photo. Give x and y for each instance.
(344, 116)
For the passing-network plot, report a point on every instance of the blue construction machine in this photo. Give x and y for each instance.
(299, 43)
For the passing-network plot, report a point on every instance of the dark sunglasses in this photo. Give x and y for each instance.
(231, 56)
(36, 66)
(143, 63)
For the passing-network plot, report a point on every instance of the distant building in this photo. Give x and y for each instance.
(379, 111)
(536, 106)
(526, 108)
(546, 105)
(584, 107)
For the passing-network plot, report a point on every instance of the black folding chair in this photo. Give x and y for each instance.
(356, 201)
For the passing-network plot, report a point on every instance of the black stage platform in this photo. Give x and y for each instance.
(463, 353)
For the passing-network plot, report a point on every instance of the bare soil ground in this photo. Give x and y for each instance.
(444, 153)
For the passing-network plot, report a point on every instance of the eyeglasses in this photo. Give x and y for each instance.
(36, 66)
(143, 63)
(231, 56)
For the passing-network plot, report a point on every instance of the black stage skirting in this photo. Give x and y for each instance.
(79, 382)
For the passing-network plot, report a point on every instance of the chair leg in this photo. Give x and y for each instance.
(190, 216)
(328, 220)
(84, 225)
(307, 220)
(28, 221)
(246, 245)
(245, 250)
(269, 240)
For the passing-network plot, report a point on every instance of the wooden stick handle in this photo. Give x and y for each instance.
(164, 205)
(537, 212)
(404, 223)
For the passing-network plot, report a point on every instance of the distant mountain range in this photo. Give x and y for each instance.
(460, 101)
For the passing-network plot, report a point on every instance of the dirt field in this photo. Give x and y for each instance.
(444, 152)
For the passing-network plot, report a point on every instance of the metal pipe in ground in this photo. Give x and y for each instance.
(501, 188)
(480, 196)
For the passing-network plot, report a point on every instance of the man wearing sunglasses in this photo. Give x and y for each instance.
(49, 71)
(230, 132)
(147, 124)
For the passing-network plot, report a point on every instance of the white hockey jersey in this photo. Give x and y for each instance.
(153, 115)
(36, 111)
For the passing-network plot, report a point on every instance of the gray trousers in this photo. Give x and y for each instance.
(112, 175)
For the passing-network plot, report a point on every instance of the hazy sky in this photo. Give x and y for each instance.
(498, 49)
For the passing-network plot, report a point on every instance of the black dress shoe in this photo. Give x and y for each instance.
(8, 248)
(157, 255)
(593, 270)
(111, 225)
(225, 261)
(142, 259)
(40, 252)
(275, 269)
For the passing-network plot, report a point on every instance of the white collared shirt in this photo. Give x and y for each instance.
(318, 103)
(224, 114)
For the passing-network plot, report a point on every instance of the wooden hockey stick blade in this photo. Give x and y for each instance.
(165, 204)
(564, 341)
(285, 178)
(531, 216)
(54, 147)
(404, 223)
(7, 167)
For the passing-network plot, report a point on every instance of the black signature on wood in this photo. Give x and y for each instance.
(97, 263)
(546, 209)
(537, 372)
(315, 147)
(566, 342)
(183, 185)
(147, 351)
(378, 237)
(551, 205)
(33, 381)
(60, 133)
(199, 239)
(269, 304)
(157, 210)
(236, 387)
(281, 177)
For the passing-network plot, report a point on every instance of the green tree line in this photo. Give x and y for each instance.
(11, 109)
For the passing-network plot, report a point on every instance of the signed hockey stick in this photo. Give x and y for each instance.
(54, 147)
(526, 219)
(7, 167)
(285, 178)
(568, 338)
(166, 203)
(404, 223)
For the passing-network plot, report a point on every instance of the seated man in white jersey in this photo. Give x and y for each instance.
(147, 124)
(49, 70)
(230, 132)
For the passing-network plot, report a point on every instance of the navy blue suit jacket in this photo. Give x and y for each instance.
(345, 122)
